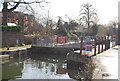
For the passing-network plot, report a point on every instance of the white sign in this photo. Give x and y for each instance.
(11, 24)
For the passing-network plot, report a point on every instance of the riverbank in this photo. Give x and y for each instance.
(11, 52)
(15, 48)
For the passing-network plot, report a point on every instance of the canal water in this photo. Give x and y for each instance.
(45, 66)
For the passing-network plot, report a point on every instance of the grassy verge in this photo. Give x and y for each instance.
(16, 47)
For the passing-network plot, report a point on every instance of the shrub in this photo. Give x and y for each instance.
(28, 39)
(10, 28)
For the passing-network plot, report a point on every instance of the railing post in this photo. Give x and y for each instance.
(98, 45)
(108, 43)
(113, 41)
(102, 45)
(105, 44)
(94, 45)
(81, 43)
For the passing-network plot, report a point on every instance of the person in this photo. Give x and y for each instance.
(8, 52)
(8, 48)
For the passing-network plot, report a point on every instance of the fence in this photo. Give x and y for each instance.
(54, 41)
(98, 44)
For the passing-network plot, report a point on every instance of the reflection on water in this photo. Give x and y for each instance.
(12, 69)
(46, 67)
(37, 69)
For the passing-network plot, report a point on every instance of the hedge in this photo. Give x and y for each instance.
(10, 28)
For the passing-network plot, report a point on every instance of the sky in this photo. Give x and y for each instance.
(119, 13)
(107, 9)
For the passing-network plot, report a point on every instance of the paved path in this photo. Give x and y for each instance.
(107, 64)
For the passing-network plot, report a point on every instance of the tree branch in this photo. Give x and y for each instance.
(14, 7)
(32, 2)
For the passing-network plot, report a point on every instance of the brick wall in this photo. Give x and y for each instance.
(12, 38)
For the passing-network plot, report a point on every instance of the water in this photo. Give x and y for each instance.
(45, 66)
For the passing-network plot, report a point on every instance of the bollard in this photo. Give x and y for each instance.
(108, 44)
(94, 46)
(98, 45)
(105, 44)
(81, 45)
(113, 41)
(102, 45)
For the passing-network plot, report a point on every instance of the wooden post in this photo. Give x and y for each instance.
(81, 45)
(98, 45)
(113, 41)
(105, 44)
(102, 45)
(94, 45)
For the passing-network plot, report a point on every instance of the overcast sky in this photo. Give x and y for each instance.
(106, 9)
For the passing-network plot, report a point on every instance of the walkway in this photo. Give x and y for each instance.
(14, 48)
(107, 64)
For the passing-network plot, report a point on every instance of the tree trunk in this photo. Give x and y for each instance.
(88, 28)
(4, 13)
(88, 21)
(4, 18)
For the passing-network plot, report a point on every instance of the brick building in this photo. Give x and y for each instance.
(19, 18)
(12, 38)
(28, 23)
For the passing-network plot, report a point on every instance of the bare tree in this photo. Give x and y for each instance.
(7, 10)
(88, 15)
(102, 31)
(48, 22)
(113, 27)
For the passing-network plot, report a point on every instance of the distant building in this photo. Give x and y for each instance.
(81, 29)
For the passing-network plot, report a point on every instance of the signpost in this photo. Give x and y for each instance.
(61, 40)
(88, 46)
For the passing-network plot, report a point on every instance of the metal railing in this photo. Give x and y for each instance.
(51, 41)
(73, 42)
